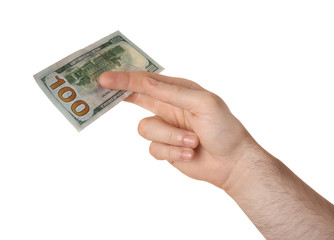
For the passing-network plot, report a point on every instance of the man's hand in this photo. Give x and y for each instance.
(192, 128)
(195, 131)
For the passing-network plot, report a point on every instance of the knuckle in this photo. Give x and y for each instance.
(176, 88)
(146, 81)
(170, 137)
(194, 85)
(212, 99)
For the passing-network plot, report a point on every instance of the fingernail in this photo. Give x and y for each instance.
(186, 155)
(190, 140)
(152, 82)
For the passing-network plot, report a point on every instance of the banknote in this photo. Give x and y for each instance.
(72, 83)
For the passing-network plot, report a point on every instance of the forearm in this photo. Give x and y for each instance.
(280, 204)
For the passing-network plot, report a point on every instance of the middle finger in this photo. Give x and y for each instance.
(157, 130)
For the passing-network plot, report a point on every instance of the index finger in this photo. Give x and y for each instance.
(178, 92)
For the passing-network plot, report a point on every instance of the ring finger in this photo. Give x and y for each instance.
(170, 153)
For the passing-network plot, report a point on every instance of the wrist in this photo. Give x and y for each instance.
(244, 177)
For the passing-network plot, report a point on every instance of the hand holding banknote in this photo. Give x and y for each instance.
(192, 128)
(195, 131)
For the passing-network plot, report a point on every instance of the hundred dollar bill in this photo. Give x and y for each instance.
(72, 83)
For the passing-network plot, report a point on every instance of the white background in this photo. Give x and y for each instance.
(271, 61)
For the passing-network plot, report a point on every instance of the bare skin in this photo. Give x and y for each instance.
(194, 130)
